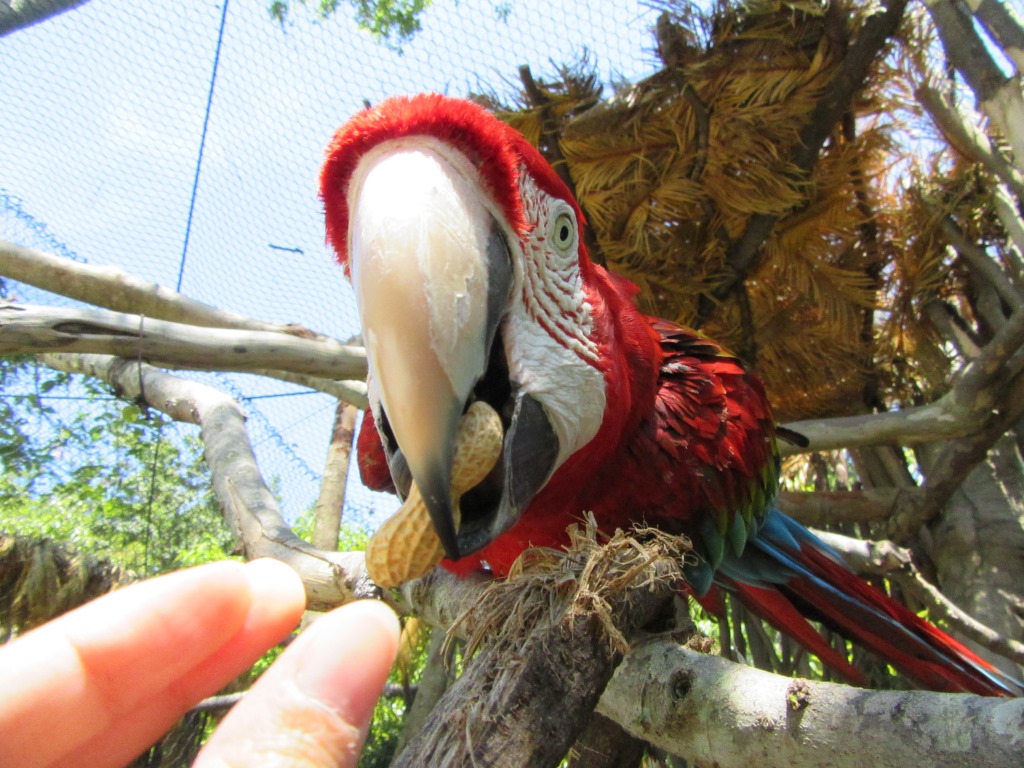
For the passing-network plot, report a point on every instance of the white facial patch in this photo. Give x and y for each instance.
(548, 339)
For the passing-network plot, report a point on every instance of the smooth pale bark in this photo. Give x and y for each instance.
(999, 96)
(714, 712)
(26, 328)
(117, 290)
(331, 578)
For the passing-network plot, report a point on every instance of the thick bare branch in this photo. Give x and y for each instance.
(1010, 218)
(934, 421)
(830, 507)
(967, 409)
(999, 96)
(967, 138)
(331, 578)
(32, 329)
(944, 419)
(876, 558)
(714, 712)
(119, 291)
(553, 637)
(708, 709)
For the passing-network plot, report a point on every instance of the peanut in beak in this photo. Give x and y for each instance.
(406, 545)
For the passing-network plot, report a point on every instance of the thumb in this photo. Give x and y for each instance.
(312, 708)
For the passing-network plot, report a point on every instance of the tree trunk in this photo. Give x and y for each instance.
(977, 545)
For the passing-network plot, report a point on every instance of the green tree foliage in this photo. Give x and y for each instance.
(390, 713)
(391, 22)
(137, 494)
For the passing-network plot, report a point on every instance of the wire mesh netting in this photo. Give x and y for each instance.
(181, 142)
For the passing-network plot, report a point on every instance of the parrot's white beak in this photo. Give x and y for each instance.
(432, 277)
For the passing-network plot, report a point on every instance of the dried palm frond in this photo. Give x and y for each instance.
(671, 170)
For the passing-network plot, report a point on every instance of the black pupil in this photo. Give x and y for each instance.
(563, 233)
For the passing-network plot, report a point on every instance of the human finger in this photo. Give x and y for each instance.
(118, 671)
(312, 708)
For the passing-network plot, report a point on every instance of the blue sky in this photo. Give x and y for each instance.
(103, 116)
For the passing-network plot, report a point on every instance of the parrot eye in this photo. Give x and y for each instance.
(563, 231)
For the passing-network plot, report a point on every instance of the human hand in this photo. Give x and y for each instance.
(96, 686)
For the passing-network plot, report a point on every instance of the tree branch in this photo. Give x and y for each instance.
(967, 409)
(119, 291)
(867, 557)
(553, 634)
(966, 138)
(983, 264)
(1004, 26)
(714, 712)
(1009, 216)
(999, 96)
(19, 14)
(919, 424)
(830, 507)
(956, 460)
(331, 578)
(947, 417)
(888, 559)
(33, 329)
(603, 744)
(353, 392)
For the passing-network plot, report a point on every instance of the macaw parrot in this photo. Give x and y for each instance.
(466, 255)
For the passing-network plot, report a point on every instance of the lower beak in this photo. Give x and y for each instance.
(432, 278)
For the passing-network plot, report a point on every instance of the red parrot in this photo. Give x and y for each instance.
(466, 253)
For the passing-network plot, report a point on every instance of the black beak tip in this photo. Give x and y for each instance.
(440, 509)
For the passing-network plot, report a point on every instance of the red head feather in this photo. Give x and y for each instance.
(495, 149)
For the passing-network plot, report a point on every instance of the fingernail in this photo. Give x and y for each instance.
(350, 655)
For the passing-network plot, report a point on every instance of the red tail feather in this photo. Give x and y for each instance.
(926, 654)
(871, 618)
(773, 607)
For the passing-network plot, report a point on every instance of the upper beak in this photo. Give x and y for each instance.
(432, 277)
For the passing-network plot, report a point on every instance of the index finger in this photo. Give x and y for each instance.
(117, 672)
